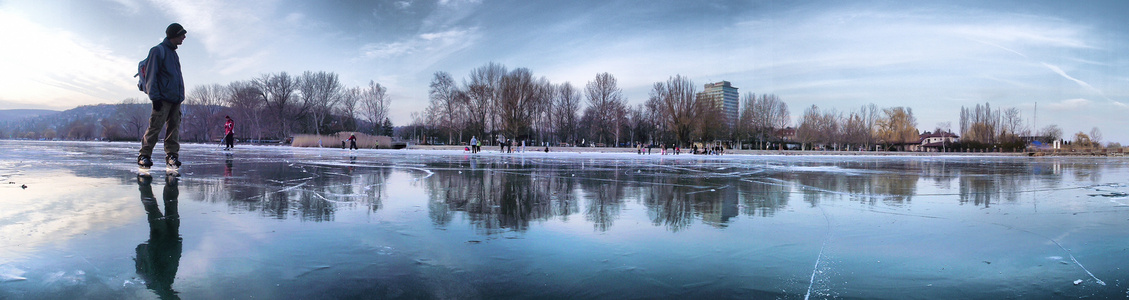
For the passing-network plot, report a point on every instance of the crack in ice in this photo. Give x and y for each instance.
(819, 257)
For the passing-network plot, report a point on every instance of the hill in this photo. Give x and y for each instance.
(20, 114)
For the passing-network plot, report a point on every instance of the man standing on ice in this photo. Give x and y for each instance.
(165, 86)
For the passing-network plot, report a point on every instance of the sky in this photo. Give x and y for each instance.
(1058, 62)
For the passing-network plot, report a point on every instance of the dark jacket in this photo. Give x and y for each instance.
(163, 79)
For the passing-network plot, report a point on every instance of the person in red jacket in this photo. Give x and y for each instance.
(229, 133)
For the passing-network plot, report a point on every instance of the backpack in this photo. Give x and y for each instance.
(141, 74)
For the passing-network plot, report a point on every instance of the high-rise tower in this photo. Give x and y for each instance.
(724, 95)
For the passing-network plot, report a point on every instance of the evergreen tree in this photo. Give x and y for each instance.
(386, 128)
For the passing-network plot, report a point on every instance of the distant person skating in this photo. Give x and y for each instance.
(229, 133)
(164, 84)
(473, 144)
(352, 142)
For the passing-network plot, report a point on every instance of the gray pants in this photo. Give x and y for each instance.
(164, 113)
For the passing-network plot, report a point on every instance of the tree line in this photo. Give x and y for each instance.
(494, 102)
(270, 107)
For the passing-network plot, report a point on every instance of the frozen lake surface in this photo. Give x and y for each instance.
(299, 223)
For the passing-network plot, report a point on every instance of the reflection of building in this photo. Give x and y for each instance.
(724, 95)
(717, 209)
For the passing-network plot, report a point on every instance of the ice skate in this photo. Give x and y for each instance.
(144, 162)
(172, 164)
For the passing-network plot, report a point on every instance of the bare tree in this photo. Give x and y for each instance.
(677, 106)
(483, 91)
(1051, 133)
(565, 111)
(320, 93)
(135, 115)
(543, 120)
(520, 101)
(1011, 126)
(761, 117)
(276, 91)
(607, 103)
(641, 124)
(244, 101)
(349, 100)
(374, 101)
(205, 104)
(808, 132)
(1096, 136)
(445, 107)
(855, 132)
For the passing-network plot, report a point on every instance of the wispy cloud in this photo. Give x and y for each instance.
(1062, 73)
(427, 47)
(226, 28)
(1070, 104)
(129, 6)
(57, 67)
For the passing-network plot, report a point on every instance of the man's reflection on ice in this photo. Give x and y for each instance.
(158, 258)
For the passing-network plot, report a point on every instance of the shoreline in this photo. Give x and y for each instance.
(596, 150)
(782, 152)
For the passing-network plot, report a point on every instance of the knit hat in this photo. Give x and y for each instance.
(175, 30)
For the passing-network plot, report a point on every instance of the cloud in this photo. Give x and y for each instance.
(129, 6)
(403, 4)
(225, 28)
(238, 64)
(448, 14)
(458, 2)
(424, 48)
(386, 50)
(58, 69)
(1062, 73)
(1023, 30)
(1070, 104)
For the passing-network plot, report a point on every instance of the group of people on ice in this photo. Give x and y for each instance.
(675, 150)
(504, 145)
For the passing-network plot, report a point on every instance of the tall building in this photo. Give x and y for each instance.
(725, 96)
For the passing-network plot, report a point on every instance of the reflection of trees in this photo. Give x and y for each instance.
(988, 182)
(893, 189)
(763, 198)
(1087, 171)
(282, 190)
(497, 199)
(669, 205)
(605, 199)
(673, 201)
